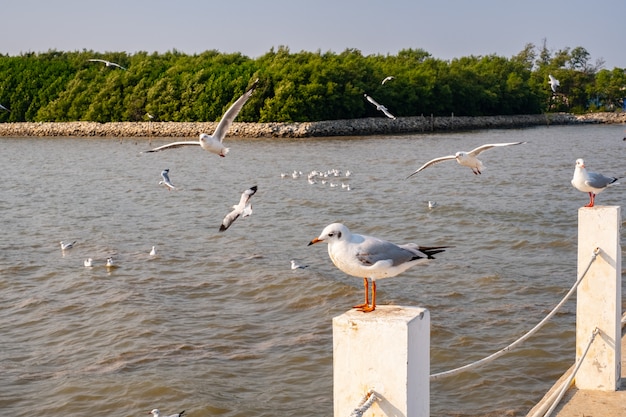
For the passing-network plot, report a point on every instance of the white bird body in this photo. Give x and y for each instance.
(153, 251)
(110, 263)
(165, 175)
(554, 83)
(590, 182)
(242, 209)
(371, 257)
(157, 413)
(380, 107)
(214, 143)
(467, 159)
(88, 263)
(65, 246)
(295, 265)
(107, 63)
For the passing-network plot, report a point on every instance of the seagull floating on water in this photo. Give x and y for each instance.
(467, 159)
(214, 143)
(153, 251)
(110, 263)
(432, 204)
(165, 174)
(391, 77)
(554, 83)
(107, 63)
(157, 413)
(590, 182)
(370, 257)
(65, 246)
(88, 263)
(295, 265)
(379, 107)
(242, 209)
(4, 108)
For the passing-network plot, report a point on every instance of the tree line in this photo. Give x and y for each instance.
(297, 87)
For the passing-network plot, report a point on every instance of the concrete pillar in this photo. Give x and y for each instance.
(599, 298)
(388, 351)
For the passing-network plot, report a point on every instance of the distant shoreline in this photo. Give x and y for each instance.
(352, 127)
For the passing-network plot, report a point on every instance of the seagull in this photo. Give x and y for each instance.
(242, 209)
(554, 83)
(110, 263)
(590, 182)
(107, 63)
(295, 265)
(370, 257)
(4, 108)
(432, 204)
(65, 246)
(391, 77)
(157, 413)
(380, 107)
(88, 263)
(165, 174)
(214, 143)
(153, 251)
(467, 159)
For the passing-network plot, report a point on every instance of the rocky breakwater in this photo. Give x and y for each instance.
(604, 118)
(352, 127)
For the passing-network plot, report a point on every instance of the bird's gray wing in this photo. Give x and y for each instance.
(596, 180)
(433, 162)
(475, 152)
(174, 145)
(373, 250)
(389, 115)
(371, 100)
(229, 219)
(232, 112)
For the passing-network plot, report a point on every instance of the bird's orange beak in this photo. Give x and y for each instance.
(316, 240)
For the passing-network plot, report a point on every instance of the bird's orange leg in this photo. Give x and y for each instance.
(592, 199)
(367, 298)
(367, 309)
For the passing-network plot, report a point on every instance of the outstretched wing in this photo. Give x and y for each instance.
(174, 145)
(433, 162)
(371, 100)
(475, 152)
(232, 112)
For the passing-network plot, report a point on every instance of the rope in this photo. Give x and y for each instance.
(365, 403)
(571, 378)
(532, 331)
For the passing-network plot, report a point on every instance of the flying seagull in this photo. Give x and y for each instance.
(379, 107)
(370, 257)
(391, 77)
(554, 83)
(590, 182)
(165, 174)
(4, 108)
(242, 209)
(214, 143)
(157, 413)
(107, 63)
(467, 159)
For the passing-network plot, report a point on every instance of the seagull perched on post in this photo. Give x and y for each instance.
(467, 159)
(590, 182)
(214, 143)
(107, 63)
(242, 209)
(379, 107)
(554, 83)
(370, 257)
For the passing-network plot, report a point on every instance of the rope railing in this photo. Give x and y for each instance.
(532, 331)
(365, 403)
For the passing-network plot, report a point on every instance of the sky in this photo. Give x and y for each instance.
(446, 29)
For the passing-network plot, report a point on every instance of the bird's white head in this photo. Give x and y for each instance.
(332, 233)
(155, 412)
(580, 163)
(460, 155)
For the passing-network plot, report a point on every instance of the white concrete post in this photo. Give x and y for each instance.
(388, 351)
(599, 298)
